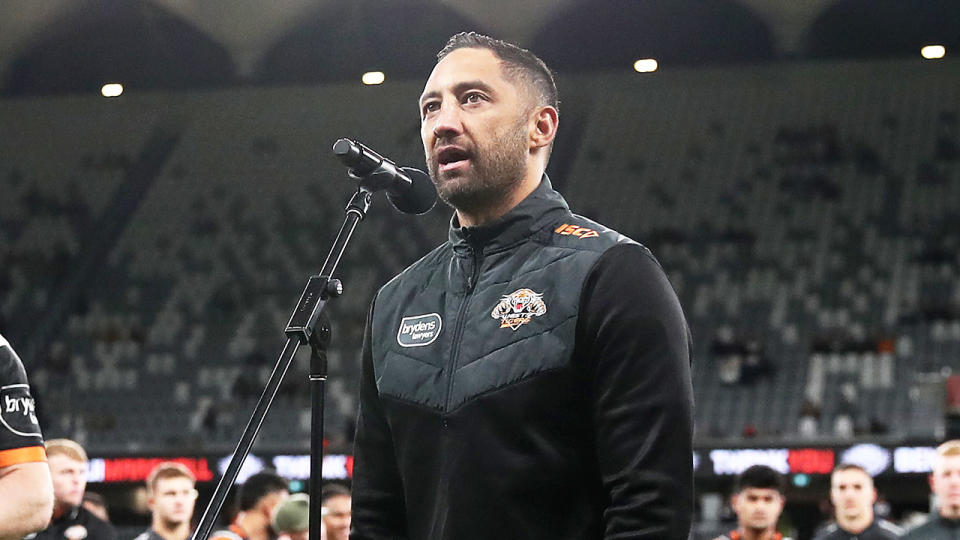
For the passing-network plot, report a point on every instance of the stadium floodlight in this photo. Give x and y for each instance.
(373, 77)
(645, 65)
(933, 52)
(111, 90)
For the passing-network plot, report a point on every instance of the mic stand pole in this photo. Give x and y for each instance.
(301, 329)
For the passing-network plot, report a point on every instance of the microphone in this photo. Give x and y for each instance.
(409, 190)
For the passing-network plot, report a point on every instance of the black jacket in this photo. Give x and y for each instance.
(527, 379)
(936, 528)
(878, 530)
(77, 523)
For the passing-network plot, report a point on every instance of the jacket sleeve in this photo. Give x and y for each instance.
(20, 437)
(378, 501)
(638, 354)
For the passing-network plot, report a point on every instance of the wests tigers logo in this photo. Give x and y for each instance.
(518, 308)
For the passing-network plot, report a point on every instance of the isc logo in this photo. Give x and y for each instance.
(574, 230)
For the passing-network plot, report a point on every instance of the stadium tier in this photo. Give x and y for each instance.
(808, 216)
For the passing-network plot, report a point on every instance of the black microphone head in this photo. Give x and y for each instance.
(418, 198)
(346, 150)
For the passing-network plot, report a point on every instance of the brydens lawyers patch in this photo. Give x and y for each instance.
(419, 330)
(518, 308)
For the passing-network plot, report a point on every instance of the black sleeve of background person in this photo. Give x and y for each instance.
(98, 529)
(19, 427)
(636, 344)
(378, 504)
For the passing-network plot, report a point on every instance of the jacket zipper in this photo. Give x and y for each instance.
(458, 330)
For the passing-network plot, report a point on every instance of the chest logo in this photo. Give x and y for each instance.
(518, 308)
(419, 330)
(574, 230)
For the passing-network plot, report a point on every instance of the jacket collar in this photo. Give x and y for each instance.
(537, 210)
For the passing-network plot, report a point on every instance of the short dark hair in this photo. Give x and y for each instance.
(760, 477)
(516, 62)
(259, 486)
(168, 469)
(330, 491)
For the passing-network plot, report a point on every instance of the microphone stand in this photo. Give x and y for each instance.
(308, 325)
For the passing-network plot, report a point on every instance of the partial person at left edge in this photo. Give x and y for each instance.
(26, 492)
(71, 521)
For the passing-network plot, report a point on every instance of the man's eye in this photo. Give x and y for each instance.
(430, 107)
(473, 97)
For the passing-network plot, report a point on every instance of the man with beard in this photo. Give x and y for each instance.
(172, 493)
(945, 483)
(530, 377)
(757, 501)
(852, 494)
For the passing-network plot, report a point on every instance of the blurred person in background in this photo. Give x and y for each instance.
(945, 484)
(853, 494)
(291, 518)
(26, 491)
(96, 504)
(336, 502)
(758, 502)
(68, 468)
(171, 495)
(257, 498)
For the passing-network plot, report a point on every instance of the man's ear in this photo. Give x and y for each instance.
(544, 122)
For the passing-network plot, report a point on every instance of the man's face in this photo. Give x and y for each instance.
(945, 480)
(337, 518)
(475, 129)
(69, 479)
(852, 493)
(173, 499)
(758, 508)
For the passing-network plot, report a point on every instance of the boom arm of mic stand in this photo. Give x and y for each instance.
(302, 328)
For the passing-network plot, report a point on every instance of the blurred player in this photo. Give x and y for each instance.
(68, 468)
(336, 502)
(291, 518)
(258, 496)
(26, 492)
(758, 501)
(945, 484)
(852, 494)
(172, 492)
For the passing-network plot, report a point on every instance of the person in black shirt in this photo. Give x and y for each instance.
(945, 483)
(26, 493)
(172, 495)
(852, 494)
(71, 521)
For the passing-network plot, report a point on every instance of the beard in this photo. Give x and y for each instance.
(496, 167)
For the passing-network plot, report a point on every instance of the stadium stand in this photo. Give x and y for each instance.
(793, 205)
(805, 213)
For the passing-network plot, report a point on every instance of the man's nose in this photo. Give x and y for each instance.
(447, 122)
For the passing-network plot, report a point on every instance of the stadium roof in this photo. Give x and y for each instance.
(63, 46)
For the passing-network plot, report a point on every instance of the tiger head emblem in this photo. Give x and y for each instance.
(518, 308)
